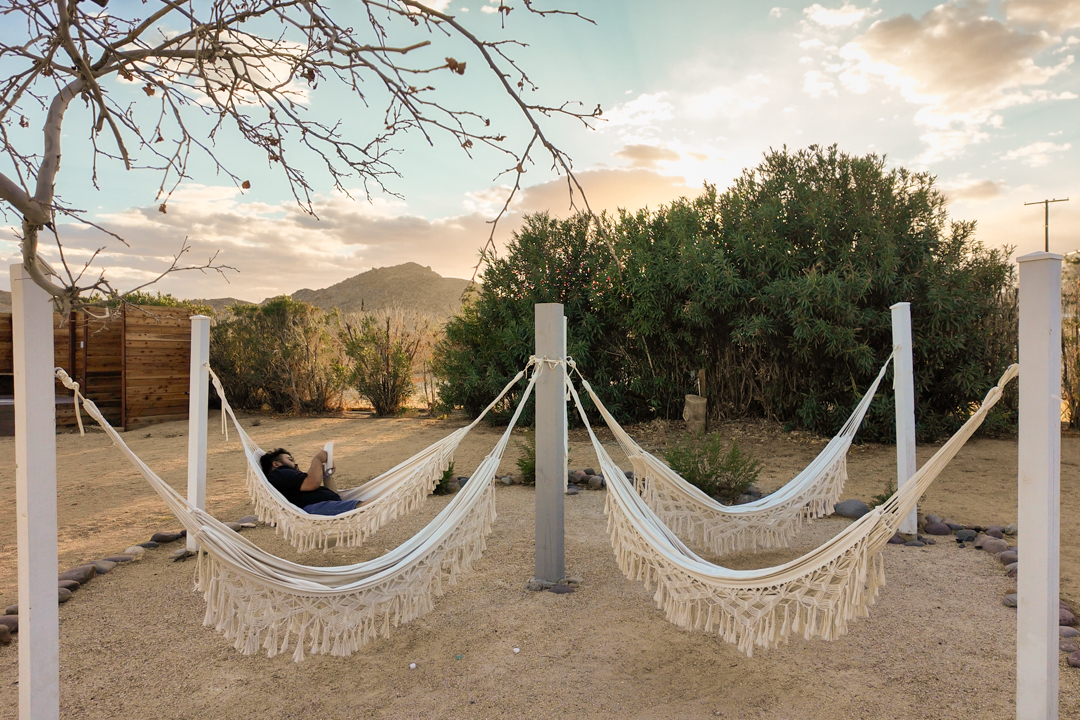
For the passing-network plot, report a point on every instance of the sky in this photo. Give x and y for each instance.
(984, 95)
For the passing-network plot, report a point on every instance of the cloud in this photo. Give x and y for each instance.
(960, 64)
(644, 111)
(976, 190)
(646, 156)
(734, 101)
(816, 84)
(843, 16)
(1036, 154)
(777, 12)
(1055, 15)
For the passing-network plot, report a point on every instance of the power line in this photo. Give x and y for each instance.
(1046, 223)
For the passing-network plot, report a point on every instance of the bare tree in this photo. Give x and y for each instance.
(208, 71)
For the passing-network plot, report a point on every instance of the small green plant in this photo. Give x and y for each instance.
(527, 462)
(443, 486)
(882, 498)
(705, 463)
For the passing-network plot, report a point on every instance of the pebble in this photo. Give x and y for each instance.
(896, 540)
(1012, 566)
(248, 519)
(573, 490)
(63, 594)
(574, 580)
(589, 471)
(10, 621)
(561, 589)
(149, 544)
(507, 480)
(1065, 617)
(965, 535)
(915, 543)
(1067, 632)
(5, 635)
(68, 585)
(1013, 572)
(412, 666)
(996, 532)
(118, 559)
(134, 550)
(937, 528)
(596, 482)
(1074, 659)
(851, 508)
(537, 585)
(163, 538)
(1010, 529)
(1067, 645)
(1010, 600)
(81, 574)
(12, 609)
(517, 650)
(235, 527)
(1007, 557)
(991, 544)
(952, 526)
(103, 566)
(577, 476)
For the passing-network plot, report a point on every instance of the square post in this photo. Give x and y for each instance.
(35, 497)
(904, 392)
(1038, 471)
(198, 394)
(550, 444)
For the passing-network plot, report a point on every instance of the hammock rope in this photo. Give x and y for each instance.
(816, 595)
(259, 601)
(771, 522)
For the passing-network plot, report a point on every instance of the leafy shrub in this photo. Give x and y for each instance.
(442, 487)
(383, 349)
(284, 354)
(703, 461)
(527, 462)
(883, 497)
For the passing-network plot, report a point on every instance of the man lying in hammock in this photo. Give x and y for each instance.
(313, 491)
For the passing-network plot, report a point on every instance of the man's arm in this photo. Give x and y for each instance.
(314, 479)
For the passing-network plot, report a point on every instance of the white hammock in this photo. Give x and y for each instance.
(816, 594)
(770, 522)
(396, 493)
(258, 600)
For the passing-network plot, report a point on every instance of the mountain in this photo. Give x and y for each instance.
(219, 304)
(409, 286)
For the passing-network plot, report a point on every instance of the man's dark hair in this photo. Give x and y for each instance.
(267, 460)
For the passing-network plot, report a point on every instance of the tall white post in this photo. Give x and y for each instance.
(904, 392)
(550, 444)
(1039, 467)
(565, 424)
(35, 497)
(198, 394)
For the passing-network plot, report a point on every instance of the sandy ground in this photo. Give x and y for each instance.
(938, 642)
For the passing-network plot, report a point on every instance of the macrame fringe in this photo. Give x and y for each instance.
(818, 605)
(312, 532)
(255, 616)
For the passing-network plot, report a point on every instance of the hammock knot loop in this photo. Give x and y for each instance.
(70, 384)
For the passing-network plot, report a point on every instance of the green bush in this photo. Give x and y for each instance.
(703, 461)
(779, 288)
(382, 350)
(443, 486)
(283, 355)
(527, 462)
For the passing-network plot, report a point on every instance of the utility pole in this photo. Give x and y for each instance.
(1046, 221)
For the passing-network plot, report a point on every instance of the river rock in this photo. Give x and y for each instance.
(248, 519)
(579, 476)
(103, 566)
(12, 609)
(931, 519)
(164, 538)
(1010, 600)
(134, 550)
(507, 480)
(10, 621)
(1010, 529)
(120, 559)
(915, 543)
(1065, 617)
(573, 490)
(897, 540)
(596, 482)
(851, 508)
(149, 544)
(1074, 659)
(952, 526)
(937, 528)
(1067, 645)
(1007, 557)
(1067, 632)
(5, 635)
(68, 585)
(965, 535)
(81, 574)
(991, 544)
(63, 595)
(561, 589)
(589, 471)
(996, 532)
(235, 527)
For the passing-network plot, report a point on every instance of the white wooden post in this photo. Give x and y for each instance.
(35, 497)
(1038, 470)
(198, 394)
(565, 424)
(550, 449)
(904, 392)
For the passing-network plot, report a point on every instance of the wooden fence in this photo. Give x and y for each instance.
(133, 365)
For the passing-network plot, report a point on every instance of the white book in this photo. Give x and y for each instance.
(329, 464)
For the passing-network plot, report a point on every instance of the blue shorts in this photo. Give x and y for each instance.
(330, 507)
